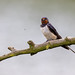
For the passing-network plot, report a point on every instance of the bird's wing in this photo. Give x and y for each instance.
(53, 30)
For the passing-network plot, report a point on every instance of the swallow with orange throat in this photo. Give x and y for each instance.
(50, 32)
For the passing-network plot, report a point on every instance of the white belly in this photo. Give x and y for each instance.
(47, 33)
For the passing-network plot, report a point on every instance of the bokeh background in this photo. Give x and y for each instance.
(20, 22)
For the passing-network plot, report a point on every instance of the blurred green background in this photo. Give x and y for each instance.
(20, 22)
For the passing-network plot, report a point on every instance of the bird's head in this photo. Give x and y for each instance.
(44, 21)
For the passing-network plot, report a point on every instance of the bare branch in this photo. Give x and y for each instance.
(35, 48)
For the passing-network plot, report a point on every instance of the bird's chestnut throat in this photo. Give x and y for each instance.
(44, 21)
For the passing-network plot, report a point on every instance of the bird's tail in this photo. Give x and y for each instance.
(66, 47)
(72, 50)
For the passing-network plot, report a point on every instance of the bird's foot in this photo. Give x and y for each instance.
(49, 40)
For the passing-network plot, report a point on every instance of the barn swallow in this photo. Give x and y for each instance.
(50, 32)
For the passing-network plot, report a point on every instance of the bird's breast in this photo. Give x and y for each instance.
(47, 33)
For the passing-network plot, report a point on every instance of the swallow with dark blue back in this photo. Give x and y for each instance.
(50, 32)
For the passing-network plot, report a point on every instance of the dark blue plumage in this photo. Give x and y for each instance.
(50, 32)
(53, 30)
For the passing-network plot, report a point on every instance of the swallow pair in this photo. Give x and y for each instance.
(50, 32)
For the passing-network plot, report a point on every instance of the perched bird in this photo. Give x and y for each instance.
(50, 32)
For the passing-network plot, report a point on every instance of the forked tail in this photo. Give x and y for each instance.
(66, 47)
(72, 50)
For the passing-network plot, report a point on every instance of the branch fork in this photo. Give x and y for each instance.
(12, 49)
(35, 48)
